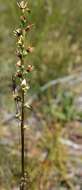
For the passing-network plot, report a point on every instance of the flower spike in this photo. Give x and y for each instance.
(20, 80)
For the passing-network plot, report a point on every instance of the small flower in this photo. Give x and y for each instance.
(28, 27)
(19, 54)
(23, 18)
(29, 68)
(27, 87)
(19, 74)
(23, 5)
(18, 115)
(30, 49)
(18, 32)
(18, 64)
(20, 40)
(28, 106)
(23, 84)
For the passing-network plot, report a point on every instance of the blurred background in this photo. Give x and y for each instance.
(53, 129)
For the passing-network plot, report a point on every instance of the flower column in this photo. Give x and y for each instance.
(20, 85)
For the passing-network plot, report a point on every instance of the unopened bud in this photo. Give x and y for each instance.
(29, 68)
(23, 18)
(28, 27)
(19, 74)
(30, 49)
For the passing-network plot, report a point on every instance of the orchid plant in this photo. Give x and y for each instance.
(20, 79)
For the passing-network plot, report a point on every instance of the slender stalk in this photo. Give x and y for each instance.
(22, 137)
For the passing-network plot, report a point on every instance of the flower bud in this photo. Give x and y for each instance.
(23, 18)
(30, 49)
(28, 27)
(19, 74)
(29, 68)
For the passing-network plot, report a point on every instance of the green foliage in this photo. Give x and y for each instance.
(62, 108)
(65, 110)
